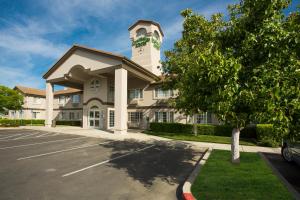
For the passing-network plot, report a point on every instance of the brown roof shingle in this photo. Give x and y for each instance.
(38, 92)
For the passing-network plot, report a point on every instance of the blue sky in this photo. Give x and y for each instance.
(35, 33)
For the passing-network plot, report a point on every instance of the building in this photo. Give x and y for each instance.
(67, 104)
(116, 92)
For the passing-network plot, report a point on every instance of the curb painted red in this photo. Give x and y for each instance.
(188, 196)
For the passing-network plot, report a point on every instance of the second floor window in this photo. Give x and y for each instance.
(95, 84)
(61, 99)
(160, 93)
(135, 94)
(76, 98)
(36, 100)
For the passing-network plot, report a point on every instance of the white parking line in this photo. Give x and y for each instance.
(106, 161)
(28, 138)
(60, 151)
(24, 136)
(10, 136)
(24, 145)
(43, 134)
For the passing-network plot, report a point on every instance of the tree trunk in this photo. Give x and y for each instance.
(195, 127)
(235, 152)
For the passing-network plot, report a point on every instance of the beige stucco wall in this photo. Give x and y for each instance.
(86, 60)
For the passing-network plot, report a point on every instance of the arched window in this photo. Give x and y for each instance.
(94, 108)
(156, 35)
(141, 32)
(95, 84)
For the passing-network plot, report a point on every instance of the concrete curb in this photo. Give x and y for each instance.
(283, 180)
(186, 189)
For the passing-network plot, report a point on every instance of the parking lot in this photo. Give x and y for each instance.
(44, 165)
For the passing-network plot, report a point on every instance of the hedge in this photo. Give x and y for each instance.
(266, 136)
(69, 123)
(20, 122)
(203, 129)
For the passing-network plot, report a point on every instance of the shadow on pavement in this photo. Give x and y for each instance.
(170, 163)
(290, 171)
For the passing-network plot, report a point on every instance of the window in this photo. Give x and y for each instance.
(164, 116)
(77, 115)
(160, 93)
(36, 100)
(111, 92)
(62, 115)
(141, 32)
(35, 115)
(135, 117)
(111, 118)
(95, 84)
(204, 118)
(21, 116)
(13, 114)
(75, 98)
(135, 93)
(156, 35)
(71, 116)
(62, 100)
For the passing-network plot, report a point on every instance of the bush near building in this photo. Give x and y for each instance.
(20, 122)
(262, 133)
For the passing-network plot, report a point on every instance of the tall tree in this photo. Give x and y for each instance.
(10, 99)
(232, 68)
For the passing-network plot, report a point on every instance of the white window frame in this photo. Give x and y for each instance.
(61, 99)
(202, 118)
(110, 118)
(135, 117)
(71, 115)
(95, 84)
(164, 116)
(159, 93)
(136, 93)
(75, 98)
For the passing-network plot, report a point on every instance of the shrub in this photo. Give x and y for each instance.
(69, 123)
(20, 122)
(266, 136)
(171, 127)
(206, 129)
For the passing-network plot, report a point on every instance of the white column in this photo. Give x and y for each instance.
(49, 104)
(120, 101)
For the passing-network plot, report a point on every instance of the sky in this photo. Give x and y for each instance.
(34, 34)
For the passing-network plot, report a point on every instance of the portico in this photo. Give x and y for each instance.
(104, 78)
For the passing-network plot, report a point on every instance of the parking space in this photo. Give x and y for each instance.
(290, 171)
(43, 165)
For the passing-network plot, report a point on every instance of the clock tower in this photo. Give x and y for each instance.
(146, 37)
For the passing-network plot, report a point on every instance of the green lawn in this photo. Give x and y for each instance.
(201, 138)
(251, 179)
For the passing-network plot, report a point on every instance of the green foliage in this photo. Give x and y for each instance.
(203, 129)
(171, 127)
(20, 122)
(156, 43)
(142, 41)
(266, 136)
(69, 123)
(10, 99)
(242, 70)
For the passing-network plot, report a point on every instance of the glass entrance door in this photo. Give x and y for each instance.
(96, 119)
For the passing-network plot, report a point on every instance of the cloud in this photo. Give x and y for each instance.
(11, 77)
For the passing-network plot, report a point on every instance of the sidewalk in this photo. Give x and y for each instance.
(136, 135)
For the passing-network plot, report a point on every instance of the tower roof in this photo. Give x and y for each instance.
(146, 21)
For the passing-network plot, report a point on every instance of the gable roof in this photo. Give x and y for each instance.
(28, 90)
(147, 21)
(38, 92)
(100, 52)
